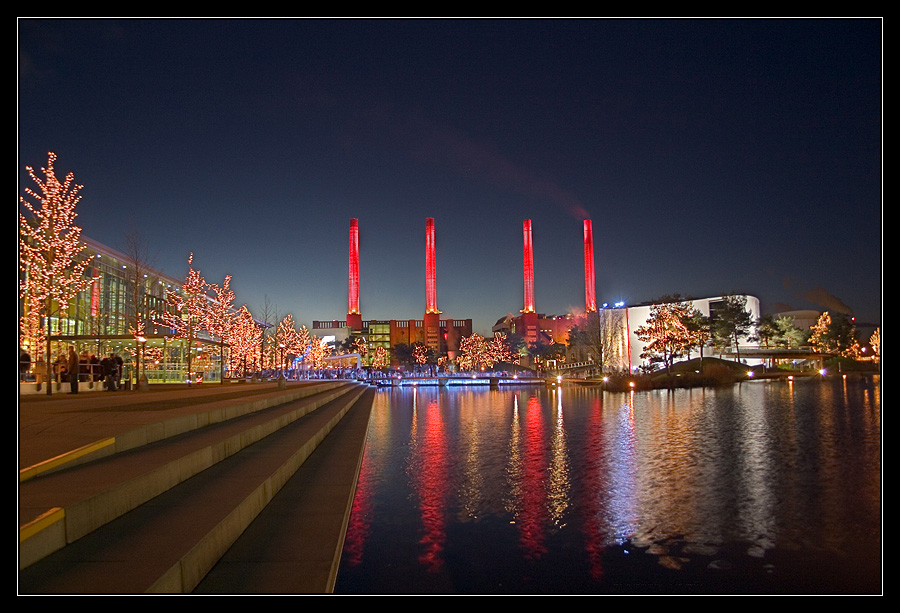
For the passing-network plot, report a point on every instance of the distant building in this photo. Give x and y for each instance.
(440, 335)
(100, 319)
(536, 327)
(443, 338)
(639, 314)
(803, 319)
(621, 347)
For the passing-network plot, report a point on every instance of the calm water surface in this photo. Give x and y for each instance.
(764, 487)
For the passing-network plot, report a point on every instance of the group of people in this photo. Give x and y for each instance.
(73, 368)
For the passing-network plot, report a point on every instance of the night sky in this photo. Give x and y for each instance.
(713, 156)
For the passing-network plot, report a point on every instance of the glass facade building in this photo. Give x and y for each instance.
(116, 315)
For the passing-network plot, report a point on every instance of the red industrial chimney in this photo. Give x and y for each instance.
(354, 317)
(430, 273)
(528, 320)
(590, 297)
(432, 319)
(528, 267)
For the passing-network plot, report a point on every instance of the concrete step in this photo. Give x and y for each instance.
(57, 509)
(132, 420)
(169, 543)
(294, 546)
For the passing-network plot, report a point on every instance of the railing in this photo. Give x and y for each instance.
(470, 378)
(36, 372)
(573, 365)
(30, 372)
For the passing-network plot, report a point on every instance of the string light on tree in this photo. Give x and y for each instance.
(244, 342)
(287, 337)
(379, 357)
(318, 353)
(875, 343)
(220, 318)
(474, 353)
(420, 353)
(666, 332)
(186, 311)
(50, 250)
(499, 350)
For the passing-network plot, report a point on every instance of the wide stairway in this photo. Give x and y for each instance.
(243, 498)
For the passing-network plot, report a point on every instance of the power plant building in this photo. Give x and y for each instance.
(440, 335)
(622, 348)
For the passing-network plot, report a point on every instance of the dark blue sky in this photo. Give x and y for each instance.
(713, 156)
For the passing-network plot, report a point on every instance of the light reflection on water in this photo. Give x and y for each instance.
(760, 487)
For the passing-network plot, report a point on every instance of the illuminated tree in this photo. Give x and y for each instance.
(474, 353)
(665, 333)
(303, 342)
(834, 334)
(245, 336)
(49, 252)
(220, 318)
(153, 354)
(270, 355)
(318, 352)
(420, 353)
(186, 311)
(30, 327)
(288, 341)
(818, 338)
(500, 351)
(286, 336)
(875, 342)
(362, 347)
(355, 344)
(380, 357)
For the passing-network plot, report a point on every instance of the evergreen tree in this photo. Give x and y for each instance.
(699, 331)
(733, 322)
(789, 335)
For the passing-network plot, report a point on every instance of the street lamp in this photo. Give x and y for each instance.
(142, 342)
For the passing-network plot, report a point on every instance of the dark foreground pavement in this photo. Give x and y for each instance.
(133, 492)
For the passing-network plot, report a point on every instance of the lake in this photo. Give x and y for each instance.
(764, 487)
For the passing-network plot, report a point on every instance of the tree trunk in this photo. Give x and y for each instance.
(47, 343)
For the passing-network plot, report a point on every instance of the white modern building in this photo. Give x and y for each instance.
(638, 316)
(617, 326)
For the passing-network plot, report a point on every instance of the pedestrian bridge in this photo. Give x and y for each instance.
(458, 379)
(776, 354)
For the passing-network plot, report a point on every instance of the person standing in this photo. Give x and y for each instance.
(96, 374)
(40, 372)
(59, 369)
(73, 370)
(108, 366)
(24, 365)
(117, 359)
